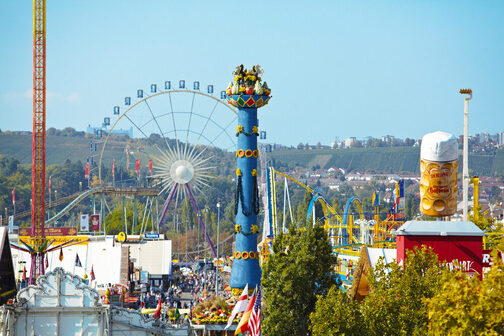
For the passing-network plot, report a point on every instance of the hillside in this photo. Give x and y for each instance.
(380, 159)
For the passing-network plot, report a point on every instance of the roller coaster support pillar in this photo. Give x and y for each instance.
(124, 214)
(102, 213)
(135, 213)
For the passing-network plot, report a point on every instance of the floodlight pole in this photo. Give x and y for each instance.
(217, 265)
(465, 163)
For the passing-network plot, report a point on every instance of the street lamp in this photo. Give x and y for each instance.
(465, 156)
(217, 265)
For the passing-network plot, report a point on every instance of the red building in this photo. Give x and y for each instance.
(461, 241)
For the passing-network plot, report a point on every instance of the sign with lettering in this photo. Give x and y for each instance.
(151, 235)
(82, 240)
(51, 231)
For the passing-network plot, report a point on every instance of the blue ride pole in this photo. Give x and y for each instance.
(246, 269)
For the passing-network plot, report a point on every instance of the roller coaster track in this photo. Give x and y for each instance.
(78, 197)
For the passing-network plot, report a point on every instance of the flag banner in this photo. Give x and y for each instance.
(92, 275)
(24, 274)
(255, 317)
(84, 222)
(113, 168)
(244, 322)
(61, 254)
(14, 196)
(239, 307)
(77, 261)
(49, 186)
(86, 172)
(376, 199)
(157, 313)
(137, 166)
(95, 222)
(46, 262)
(11, 225)
(150, 166)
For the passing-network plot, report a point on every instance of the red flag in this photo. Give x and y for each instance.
(243, 325)
(14, 196)
(91, 275)
(150, 166)
(50, 183)
(157, 313)
(137, 166)
(86, 172)
(113, 168)
(61, 254)
(46, 262)
(24, 274)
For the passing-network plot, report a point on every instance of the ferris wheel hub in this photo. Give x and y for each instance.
(182, 171)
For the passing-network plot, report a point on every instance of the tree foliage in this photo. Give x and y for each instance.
(395, 305)
(298, 270)
(469, 306)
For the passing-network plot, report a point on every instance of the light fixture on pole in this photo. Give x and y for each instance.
(465, 157)
(217, 264)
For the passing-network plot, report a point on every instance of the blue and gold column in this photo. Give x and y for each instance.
(247, 94)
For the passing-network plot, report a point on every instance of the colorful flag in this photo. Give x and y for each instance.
(150, 166)
(177, 313)
(244, 322)
(24, 274)
(77, 260)
(239, 307)
(50, 183)
(92, 276)
(157, 313)
(86, 171)
(61, 254)
(14, 196)
(113, 168)
(137, 166)
(46, 262)
(255, 317)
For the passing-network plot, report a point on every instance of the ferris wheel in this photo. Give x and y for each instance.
(185, 126)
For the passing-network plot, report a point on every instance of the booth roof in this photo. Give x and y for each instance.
(439, 228)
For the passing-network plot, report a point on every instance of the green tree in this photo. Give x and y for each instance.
(298, 270)
(395, 305)
(336, 314)
(467, 305)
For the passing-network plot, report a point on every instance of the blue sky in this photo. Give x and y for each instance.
(336, 68)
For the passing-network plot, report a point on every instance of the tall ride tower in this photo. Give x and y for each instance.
(247, 94)
(38, 141)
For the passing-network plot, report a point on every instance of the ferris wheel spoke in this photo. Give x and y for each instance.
(205, 126)
(223, 130)
(172, 114)
(155, 120)
(190, 118)
(138, 128)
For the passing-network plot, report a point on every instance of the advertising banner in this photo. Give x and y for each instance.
(95, 222)
(84, 222)
(51, 231)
